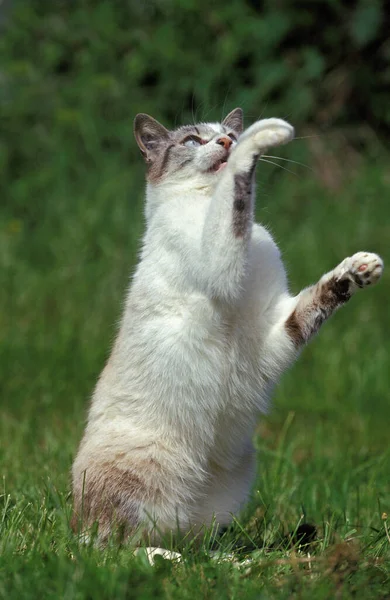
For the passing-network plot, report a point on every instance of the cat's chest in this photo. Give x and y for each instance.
(213, 352)
(199, 338)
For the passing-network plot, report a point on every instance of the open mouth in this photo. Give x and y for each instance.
(219, 165)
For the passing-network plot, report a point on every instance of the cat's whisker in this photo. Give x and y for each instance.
(210, 110)
(306, 137)
(192, 109)
(263, 111)
(296, 162)
(224, 102)
(277, 165)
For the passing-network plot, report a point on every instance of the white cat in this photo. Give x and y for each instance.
(208, 328)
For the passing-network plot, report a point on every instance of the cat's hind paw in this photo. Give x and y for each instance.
(151, 553)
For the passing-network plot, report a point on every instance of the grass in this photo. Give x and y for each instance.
(67, 245)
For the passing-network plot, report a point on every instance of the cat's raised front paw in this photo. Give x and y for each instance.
(273, 132)
(270, 132)
(363, 268)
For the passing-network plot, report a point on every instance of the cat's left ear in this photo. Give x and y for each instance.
(149, 134)
(235, 120)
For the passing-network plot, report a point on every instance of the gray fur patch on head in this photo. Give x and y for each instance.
(201, 130)
(166, 152)
(172, 155)
(158, 166)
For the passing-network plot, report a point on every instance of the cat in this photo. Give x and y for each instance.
(209, 327)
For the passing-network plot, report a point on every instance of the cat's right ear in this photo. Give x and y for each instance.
(149, 134)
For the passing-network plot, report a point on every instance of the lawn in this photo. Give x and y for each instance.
(68, 243)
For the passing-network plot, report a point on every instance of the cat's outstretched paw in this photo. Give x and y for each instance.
(269, 132)
(366, 268)
(255, 141)
(363, 268)
(273, 132)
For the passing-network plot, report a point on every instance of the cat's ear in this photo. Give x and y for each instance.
(235, 120)
(149, 134)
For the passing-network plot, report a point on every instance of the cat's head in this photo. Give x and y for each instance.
(195, 154)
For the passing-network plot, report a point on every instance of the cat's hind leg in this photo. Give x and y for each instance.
(317, 303)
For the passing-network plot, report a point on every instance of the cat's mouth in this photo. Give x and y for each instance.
(219, 165)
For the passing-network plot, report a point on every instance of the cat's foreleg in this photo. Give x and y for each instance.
(316, 304)
(251, 145)
(228, 223)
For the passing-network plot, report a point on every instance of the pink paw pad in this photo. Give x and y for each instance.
(362, 268)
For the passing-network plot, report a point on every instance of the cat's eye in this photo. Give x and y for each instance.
(192, 141)
(232, 137)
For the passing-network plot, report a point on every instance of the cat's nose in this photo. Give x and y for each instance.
(225, 141)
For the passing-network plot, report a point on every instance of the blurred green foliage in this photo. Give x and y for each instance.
(74, 74)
